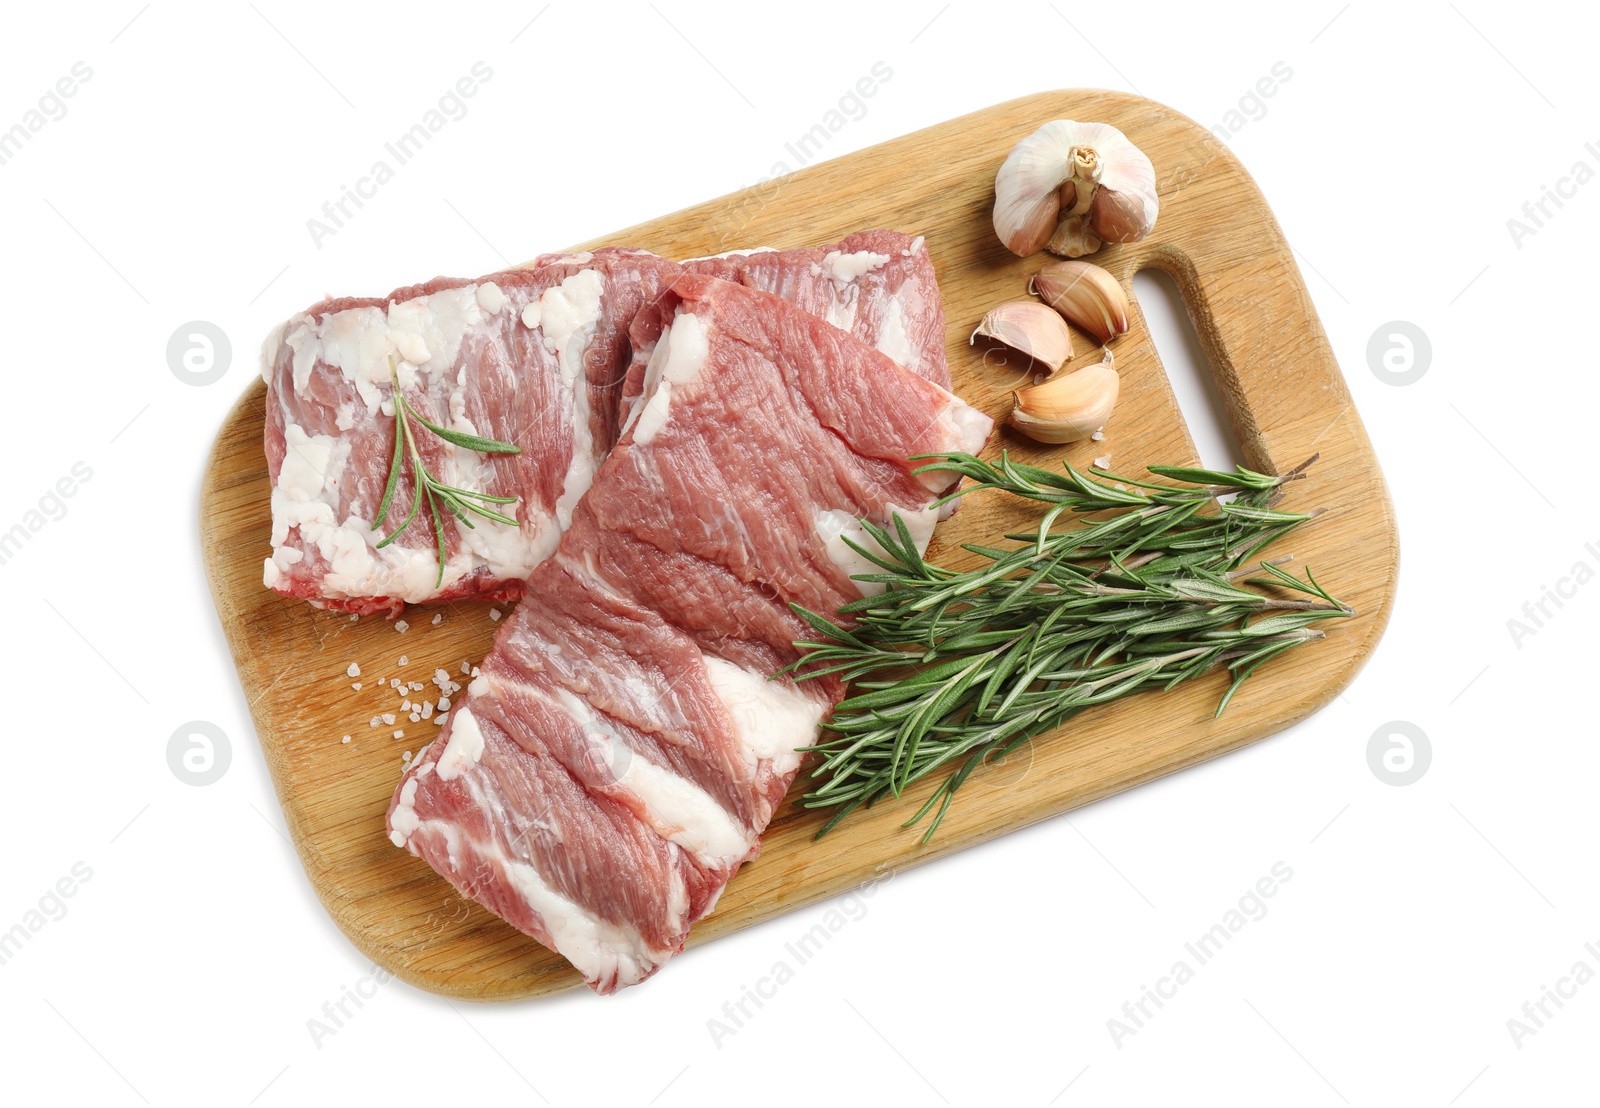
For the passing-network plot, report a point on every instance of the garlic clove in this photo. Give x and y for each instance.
(1087, 295)
(1089, 177)
(1068, 408)
(1031, 328)
(1119, 216)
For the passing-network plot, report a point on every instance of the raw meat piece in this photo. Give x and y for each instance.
(877, 285)
(622, 749)
(535, 356)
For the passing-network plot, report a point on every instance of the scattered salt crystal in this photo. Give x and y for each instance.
(417, 686)
(416, 717)
(465, 668)
(356, 685)
(1103, 461)
(374, 721)
(345, 739)
(354, 616)
(1097, 436)
(353, 671)
(494, 614)
(438, 720)
(427, 708)
(444, 704)
(405, 705)
(402, 626)
(474, 671)
(394, 682)
(406, 757)
(388, 717)
(404, 659)
(438, 619)
(401, 735)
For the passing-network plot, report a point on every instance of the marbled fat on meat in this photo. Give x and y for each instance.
(623, 749)
(539, 357)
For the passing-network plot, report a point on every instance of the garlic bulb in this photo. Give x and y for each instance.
(1072, 187)
(1087, 295)
(1031, 328)
(1068, 408)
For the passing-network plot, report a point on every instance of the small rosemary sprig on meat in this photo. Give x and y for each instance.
(459, 502)
(950, 669)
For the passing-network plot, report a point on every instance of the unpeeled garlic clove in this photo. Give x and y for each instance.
(1068, 408)
(1031, 328)
(1087, 295)
(1072, 187)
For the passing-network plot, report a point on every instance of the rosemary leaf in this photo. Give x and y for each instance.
(952, 670)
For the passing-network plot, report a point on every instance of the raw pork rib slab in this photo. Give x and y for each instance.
(622, 748)
(537, 357)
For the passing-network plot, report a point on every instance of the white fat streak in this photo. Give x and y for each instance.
(490, 298)
(568, 315)
(598, 948)
(404, 820)
(424, 335)
(678, 358)
(269, 351)
(771, 719)
(305, 497)
(848, 268)
(465, 747)
(836, 525)
(963, 430)
(892, 340)
(679, 810)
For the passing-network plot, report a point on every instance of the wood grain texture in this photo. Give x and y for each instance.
(1280, 383)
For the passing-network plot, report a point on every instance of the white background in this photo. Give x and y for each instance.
(1419, 919)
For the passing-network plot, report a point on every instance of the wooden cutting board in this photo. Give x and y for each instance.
(1274, 369)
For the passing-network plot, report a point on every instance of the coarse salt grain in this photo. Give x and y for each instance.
(444, 704)
(404, 659)
(474, 671)
(374, 721)
(417, 686)
(1097, 436)
(388, 717)
(427, 708)
(394, 682)
(401, 735)
(405, 705)
(465, 668)
(438, 619)
(353, 671)
(354, 616)
(416, 717)
(345, 739)
(438, 720)
(1103, 461)
(494, 614)
(356, 685)
(402, 626)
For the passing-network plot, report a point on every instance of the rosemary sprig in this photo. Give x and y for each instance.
(952, 668)
(459, 502)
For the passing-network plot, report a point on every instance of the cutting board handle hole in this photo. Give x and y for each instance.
(1193, 380)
